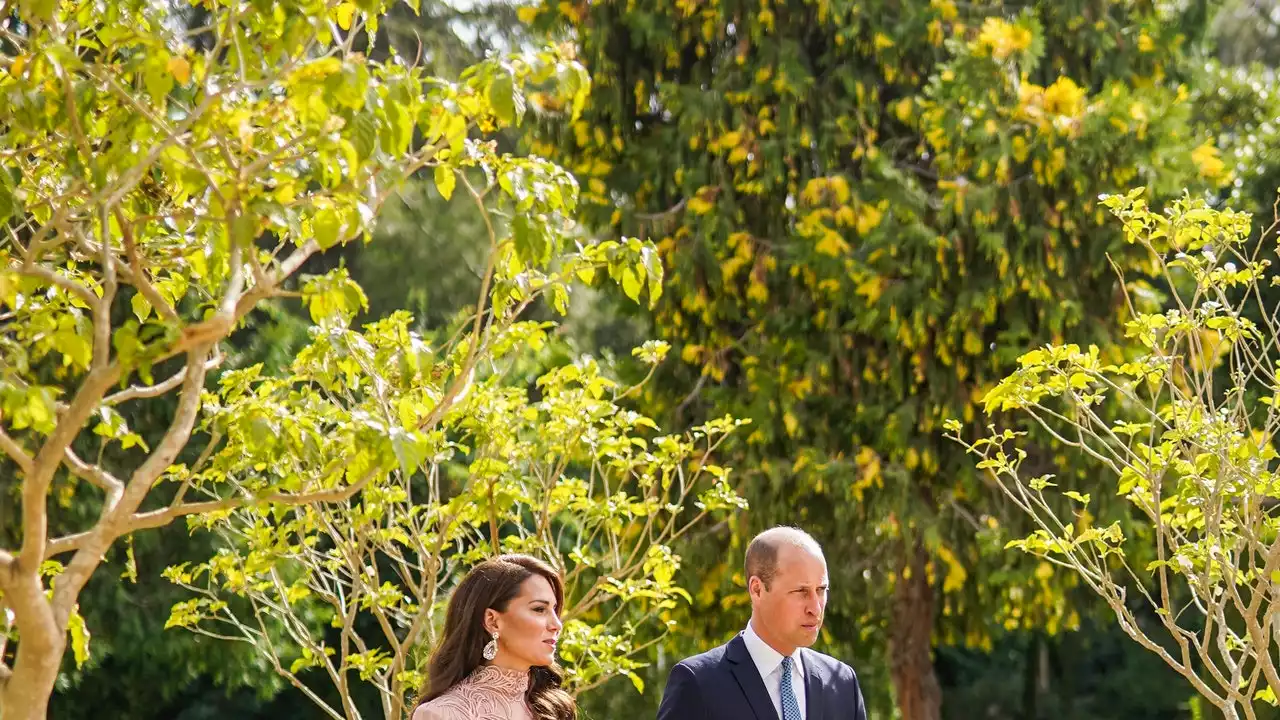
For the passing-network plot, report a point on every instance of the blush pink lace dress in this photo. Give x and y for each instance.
(488, 693)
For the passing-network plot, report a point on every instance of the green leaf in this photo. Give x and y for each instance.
(156, 76)
(504, 99)
(631, 284)
(1082, 499)
(131, 563)
(445, 181)
(141, 308)
(654, 273)
(400, 126)
(41, 10)
(79, 636)
(326, 228)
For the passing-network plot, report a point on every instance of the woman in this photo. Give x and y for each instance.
(496, 657)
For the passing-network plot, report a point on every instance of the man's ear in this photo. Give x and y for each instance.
(755, 586)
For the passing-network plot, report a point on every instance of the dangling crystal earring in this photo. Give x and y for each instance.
(491, 647)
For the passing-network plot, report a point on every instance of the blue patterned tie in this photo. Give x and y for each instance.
(790, 708)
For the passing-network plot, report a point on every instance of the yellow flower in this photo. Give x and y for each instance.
(832, 244)
(1002, 38)
(1208, 161)
(1064, 97)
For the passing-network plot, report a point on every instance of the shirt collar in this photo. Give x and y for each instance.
(765, 657)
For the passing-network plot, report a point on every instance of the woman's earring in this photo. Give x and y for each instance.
(491, 647)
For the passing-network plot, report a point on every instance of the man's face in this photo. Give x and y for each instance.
(789, 613)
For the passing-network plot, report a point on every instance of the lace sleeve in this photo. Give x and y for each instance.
(426, 712)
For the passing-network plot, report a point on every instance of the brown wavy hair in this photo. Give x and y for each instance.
(493, 584)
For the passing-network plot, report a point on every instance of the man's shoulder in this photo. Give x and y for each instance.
(830, 666)
(704, 661)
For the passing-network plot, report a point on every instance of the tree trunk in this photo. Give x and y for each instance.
(911, 640)
(41, 643)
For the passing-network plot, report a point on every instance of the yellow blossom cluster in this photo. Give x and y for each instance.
(1002, 38)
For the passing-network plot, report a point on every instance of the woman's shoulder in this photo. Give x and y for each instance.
(467, 701)
(446, 707)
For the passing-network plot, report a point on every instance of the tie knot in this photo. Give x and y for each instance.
(787, 662)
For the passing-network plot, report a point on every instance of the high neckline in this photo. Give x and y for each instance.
(510, 683)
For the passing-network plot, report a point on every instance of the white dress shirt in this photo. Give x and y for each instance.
(769, 664)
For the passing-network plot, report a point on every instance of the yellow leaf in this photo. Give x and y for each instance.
(869, 218)
(700, 206)
(344, 13)
(902, 109)
(180, 69)
(832, 244)
(527, 14)
(871, 289)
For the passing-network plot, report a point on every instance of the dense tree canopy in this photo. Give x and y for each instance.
(866, 211)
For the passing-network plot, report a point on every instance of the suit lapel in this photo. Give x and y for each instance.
(748, 677)
(812, 686)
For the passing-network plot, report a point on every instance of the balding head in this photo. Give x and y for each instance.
(762, 553)
(787, 582)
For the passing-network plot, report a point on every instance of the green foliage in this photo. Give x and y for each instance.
(864, 210)
(161, 181)
(1195, 455)
(555, 468)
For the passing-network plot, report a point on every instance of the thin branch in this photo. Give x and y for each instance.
(93, 474)
(66, 284)
(160, 518)
(138, 274)
(150, 391)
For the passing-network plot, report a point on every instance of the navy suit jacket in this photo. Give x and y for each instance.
(724, 684)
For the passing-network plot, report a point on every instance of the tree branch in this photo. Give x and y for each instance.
(66, 284)
(138, 276)
(102, 309)
(35, 521)
(15, 452)
(112, 523)
(160, 518)
(161, 388)
(65, 544)
(92, 474)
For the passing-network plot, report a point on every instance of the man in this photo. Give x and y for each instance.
(768, 671)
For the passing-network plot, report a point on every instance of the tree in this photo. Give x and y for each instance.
(1194, 455)
(863, 209)
(160, 183)
(565, 474)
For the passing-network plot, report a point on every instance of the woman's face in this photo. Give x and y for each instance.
(529, 628)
